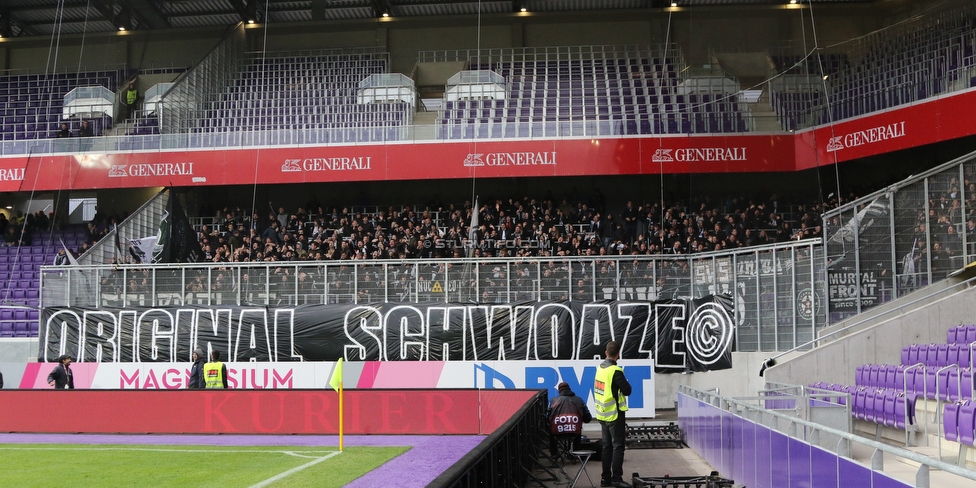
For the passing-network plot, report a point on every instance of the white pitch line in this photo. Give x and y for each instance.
(292, 471)
(76, 447)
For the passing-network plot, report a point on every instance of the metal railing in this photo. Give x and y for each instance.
(777, 289)
(899, 239)
(143, 222)
(210, 75)
(836, 441)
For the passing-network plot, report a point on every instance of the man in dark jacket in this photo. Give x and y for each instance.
(610, 392)
(61, 377)
(196, 371)
(566, 412)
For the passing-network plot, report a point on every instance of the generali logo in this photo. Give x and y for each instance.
(694, 154)
(150, 169)
(12, 174)
(361, 163)
(511, 159)
(869, 136)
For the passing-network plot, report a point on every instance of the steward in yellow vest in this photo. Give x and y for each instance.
(215, 372)
(610, 391)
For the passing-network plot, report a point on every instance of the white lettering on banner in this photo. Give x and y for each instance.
(403, 332)
(150, 169)
(361, 163)
(12, 174)
(700, 154)
(511, 159)
(869, 136)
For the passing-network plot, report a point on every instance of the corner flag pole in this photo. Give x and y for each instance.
(336, 384)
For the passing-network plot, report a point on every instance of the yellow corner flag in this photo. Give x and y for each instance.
(336, 380)
(336, 384)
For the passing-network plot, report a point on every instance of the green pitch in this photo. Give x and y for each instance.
(44, 465)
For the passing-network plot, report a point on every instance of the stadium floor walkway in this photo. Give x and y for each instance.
(645, 462)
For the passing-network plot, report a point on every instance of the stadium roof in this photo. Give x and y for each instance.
(22, 18)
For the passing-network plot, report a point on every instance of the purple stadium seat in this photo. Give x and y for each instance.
(953, 385)
(868, 411)
(951, 335)
(889, 407)
(966, 384)
(930, 377)
(905, 354)
(881, 406)
(950, 421)
(860, 375)
(889, 377)
(970, 333)
(913, 354)
(860, 398)
(898, 382)
(931, 355)
(6, 329)
(942, 384)
(942, 355)
(967, 423)
(904, 410)
(873, 374)
(956, 355)
(6, 314)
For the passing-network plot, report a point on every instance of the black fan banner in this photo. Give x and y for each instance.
(680, 335)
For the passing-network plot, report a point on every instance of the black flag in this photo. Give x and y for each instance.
(176, 241)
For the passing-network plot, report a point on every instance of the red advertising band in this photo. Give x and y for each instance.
(395, 412)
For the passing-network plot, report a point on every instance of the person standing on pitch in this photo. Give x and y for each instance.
(61, 377)
(196, 371)
(215, 372)
(610, 391)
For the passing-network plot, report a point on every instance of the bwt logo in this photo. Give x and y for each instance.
(662, 156)
(548, 377)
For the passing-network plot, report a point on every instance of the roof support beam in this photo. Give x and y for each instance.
(147, 13)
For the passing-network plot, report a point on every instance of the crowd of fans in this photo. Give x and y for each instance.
(508, 227)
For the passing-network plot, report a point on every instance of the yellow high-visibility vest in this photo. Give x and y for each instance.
(213, 373)
(606, 406)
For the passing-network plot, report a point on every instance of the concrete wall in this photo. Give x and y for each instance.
(836, 362)
(742, 380)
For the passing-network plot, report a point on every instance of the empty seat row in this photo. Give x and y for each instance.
(942, 383)
(937, 355)
(959, 422)
(884, 406)
(961, 334)
(22, 314)
(18, 329)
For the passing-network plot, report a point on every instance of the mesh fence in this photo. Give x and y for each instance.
(779, 290)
